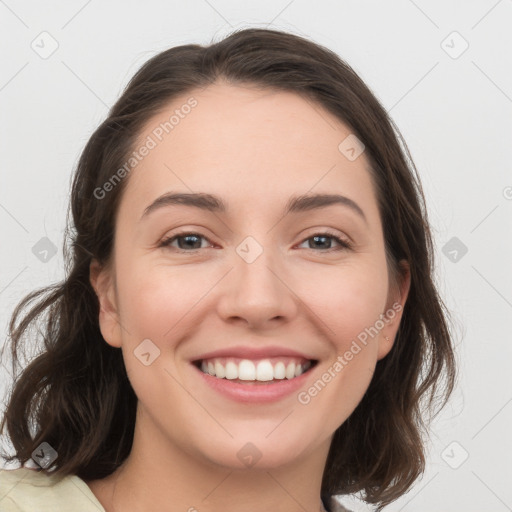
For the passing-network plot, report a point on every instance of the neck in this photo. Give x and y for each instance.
(158, 475)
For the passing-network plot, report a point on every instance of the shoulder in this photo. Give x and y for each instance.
(25, 489)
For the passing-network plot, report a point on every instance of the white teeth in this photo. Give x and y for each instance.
(279, 371)
(246, 370)
(290, 371)
(220, 371)
(231, 371)
(263, 370)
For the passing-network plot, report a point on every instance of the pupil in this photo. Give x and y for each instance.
(316, 238)
(188, 237)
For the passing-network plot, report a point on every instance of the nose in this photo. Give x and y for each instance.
(258, 293)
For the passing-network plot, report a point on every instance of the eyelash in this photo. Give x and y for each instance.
(345, 244)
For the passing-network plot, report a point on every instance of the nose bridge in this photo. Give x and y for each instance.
(256, 267)
(259, 293)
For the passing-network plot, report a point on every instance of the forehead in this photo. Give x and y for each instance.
(245, 117)
(248, 144)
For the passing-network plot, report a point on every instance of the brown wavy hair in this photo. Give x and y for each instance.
(75, 394)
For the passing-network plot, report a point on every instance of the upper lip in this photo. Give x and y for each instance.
(252, 353)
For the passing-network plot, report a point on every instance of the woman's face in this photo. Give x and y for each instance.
(250, 281)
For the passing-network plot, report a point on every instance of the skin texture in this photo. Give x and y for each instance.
(254, 148)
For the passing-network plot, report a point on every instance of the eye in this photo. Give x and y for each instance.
(189, 241)
(321, 238)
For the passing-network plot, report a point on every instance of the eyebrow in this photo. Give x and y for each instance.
(212, 203)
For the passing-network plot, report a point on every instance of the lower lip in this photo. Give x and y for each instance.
(258, 392)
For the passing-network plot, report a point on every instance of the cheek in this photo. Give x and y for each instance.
(348, 299)
(349, 305)
(155, 302)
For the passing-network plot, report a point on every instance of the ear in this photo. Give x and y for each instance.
(102, 281)
(394, 309)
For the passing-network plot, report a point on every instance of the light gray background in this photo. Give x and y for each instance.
(454, 110)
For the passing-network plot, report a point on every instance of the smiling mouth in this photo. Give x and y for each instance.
(246, 371)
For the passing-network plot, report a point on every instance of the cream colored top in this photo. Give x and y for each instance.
(28, 490)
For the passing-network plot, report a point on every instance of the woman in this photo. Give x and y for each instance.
(250, 233)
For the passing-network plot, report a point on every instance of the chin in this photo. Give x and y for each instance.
(264, 454)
